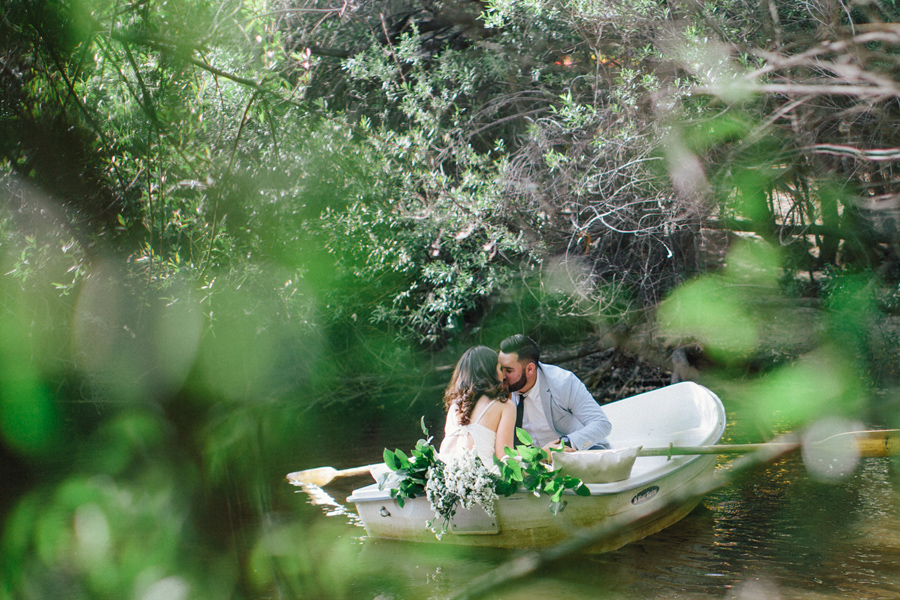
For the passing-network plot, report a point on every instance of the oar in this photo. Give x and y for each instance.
(324, 475)
(870, 444)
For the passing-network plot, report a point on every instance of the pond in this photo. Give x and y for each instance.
(136, 511)
(776, 533)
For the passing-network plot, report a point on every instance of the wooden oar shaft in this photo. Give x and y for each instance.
(353, 472)
(870, 444)
(875, 443)
(714, 449)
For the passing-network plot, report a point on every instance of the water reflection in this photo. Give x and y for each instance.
(333, 508)
(776, 534)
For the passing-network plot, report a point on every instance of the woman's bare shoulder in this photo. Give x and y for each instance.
(491, 405)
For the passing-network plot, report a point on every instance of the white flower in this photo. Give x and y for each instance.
(462, 480)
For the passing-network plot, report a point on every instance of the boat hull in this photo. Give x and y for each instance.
(526, 521)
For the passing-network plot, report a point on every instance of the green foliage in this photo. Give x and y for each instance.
(723, 311)
(527, 468)
(411, 470)
(418, 264)
(116, 518)
(29, 416)
(222, 217)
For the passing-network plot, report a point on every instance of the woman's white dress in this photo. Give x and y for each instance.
(458, 438)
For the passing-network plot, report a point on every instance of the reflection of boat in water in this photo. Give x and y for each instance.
(683, 414)
(332, 507)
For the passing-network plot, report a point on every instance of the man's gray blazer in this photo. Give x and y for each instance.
(571, 409)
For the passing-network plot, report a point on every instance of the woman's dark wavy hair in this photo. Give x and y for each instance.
(475, 376)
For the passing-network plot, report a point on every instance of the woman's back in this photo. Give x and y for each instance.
(479, 434)
(488, 420)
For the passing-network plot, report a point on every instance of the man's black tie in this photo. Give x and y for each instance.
(520, 410)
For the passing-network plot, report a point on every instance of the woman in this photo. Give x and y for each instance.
(478, 414)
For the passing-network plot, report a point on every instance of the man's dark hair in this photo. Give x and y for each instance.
(524, 346)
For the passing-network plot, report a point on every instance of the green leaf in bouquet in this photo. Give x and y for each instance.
(529, 454)
(524, 437)
(390, 460)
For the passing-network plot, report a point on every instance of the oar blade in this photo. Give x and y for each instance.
(319, 476)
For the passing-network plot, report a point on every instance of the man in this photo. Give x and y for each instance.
(558, 408)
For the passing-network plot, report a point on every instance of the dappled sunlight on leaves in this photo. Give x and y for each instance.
(29, 418)
(755, 266)
(125, 441)
(315, 560)
(138, 349)
(97, 535)
(713, 313)
(729, 314)
(820, 384)
(237, 364)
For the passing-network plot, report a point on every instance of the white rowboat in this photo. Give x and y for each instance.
(684, 414)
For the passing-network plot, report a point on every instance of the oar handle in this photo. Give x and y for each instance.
(884, 442)
(354, 472)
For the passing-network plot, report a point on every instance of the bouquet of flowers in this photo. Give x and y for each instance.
(462, 480)
(465, 481)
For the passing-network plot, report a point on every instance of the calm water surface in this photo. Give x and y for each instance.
(776, 534)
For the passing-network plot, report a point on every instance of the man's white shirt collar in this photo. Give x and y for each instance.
(534, 419)
(535, 392)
